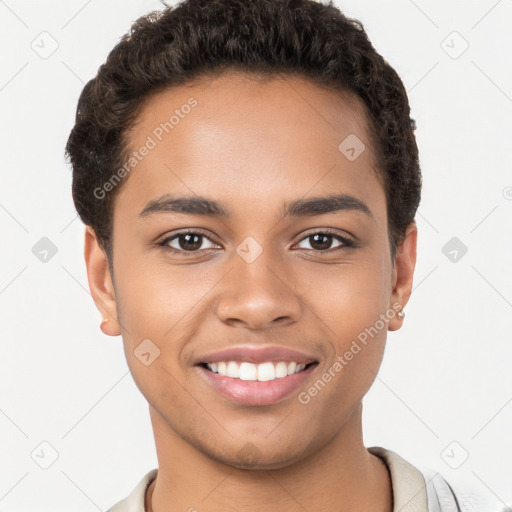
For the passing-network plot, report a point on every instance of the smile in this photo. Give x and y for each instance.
(255, 384)
(260, 372)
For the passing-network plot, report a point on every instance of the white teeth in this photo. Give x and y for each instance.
(281, 370)
(232, 370)
(261, 372)
(266, 371)
(248, 371)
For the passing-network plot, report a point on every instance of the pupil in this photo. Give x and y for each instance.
(188, 244)
(324, 245)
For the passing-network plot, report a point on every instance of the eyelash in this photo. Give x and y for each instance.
(347, 243)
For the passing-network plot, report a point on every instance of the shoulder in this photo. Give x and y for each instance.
(425, 490)
(407, 482)
(135, 500)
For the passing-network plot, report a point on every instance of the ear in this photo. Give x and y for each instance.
(403, 272)
(100, 283)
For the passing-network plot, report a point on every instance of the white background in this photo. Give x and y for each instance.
(446, 375)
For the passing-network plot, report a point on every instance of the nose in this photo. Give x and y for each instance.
(259, 294)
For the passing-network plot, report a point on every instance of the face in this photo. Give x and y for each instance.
(263, 267)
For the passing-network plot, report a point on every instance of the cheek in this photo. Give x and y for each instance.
(351, 304)
(157, 307)
(348, 297)
(157, 300)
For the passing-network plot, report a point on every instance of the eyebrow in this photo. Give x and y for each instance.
(199, 205)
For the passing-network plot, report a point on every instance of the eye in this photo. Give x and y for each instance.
(321, 241)
(190, 242)
(185, 242)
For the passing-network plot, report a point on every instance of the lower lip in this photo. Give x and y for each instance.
(254, 392)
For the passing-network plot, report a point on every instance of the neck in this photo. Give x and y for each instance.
(341, 476)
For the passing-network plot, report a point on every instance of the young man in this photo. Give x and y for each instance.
(249, 176)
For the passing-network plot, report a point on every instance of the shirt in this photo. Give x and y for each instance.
(413, 490)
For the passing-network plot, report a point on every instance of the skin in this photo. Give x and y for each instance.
(249, 143)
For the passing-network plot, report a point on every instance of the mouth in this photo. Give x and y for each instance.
(253, 384)
(263, 372)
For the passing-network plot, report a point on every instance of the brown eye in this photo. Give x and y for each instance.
(189, 241)
(322, 241)
(186, 242)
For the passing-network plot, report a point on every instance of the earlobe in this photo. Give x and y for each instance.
(100, 283)
(104, 326)
(403, 273)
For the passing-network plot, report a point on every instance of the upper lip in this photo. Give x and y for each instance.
(256, 354)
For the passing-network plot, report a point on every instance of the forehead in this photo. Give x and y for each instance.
(251, 105)
(246, 138)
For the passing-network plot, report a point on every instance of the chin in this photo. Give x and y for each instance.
(250, 457)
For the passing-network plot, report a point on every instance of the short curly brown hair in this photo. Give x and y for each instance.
(199, 38)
